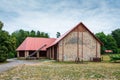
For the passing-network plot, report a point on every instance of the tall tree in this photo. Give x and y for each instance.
(109, 42)
(1, 25)
(6, 44)
(46, 35)
(103, 39)
(116, 35)
(32, 33)
(38, 34)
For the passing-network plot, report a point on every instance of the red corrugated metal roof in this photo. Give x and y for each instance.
(33, 43)
(64, 35)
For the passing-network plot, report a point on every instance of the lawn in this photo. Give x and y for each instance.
(64, 71)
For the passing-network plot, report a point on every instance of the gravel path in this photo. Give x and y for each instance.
(14, 62)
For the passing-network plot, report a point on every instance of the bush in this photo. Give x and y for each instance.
(11, 55)
(3, 57)
(115, 57)
(118, 51)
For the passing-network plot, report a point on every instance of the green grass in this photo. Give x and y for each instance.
(53, 70)
(64, 71)
(106, 57)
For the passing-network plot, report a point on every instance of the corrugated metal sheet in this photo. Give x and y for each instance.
(32, 43)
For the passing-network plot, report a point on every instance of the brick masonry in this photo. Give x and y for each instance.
(84, 46)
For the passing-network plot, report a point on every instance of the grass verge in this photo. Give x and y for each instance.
(64, 71)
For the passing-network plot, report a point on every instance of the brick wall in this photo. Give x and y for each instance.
(85, 46)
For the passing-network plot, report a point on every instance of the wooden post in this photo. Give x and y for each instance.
(50, 53)
(78, 42)
(82, 45)
(53, 52)
(18, 54)
(38, 54)
(47, 53)
(27, 53)
(63, 50)
(96, 48)
(58, 52)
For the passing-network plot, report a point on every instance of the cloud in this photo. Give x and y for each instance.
(61, 15)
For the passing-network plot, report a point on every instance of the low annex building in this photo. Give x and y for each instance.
(31, 44)
(79, 42)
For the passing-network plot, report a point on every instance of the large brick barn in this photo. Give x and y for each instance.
(77, 43)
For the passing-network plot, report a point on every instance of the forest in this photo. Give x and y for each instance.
(9, 42)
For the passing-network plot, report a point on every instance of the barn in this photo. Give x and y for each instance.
(77, 43)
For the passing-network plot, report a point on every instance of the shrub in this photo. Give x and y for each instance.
(115, 57)
(3, 57)
(11, 55)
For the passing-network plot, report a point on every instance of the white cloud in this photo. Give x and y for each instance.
(59, 15)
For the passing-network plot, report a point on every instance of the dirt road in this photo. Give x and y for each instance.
(14, 62)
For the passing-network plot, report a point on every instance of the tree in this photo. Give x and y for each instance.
(116, 35)
(6, 45)
(38, 34)
(58, 34)
(102, 38)
(1, 25)
(111, 44)
(32, 33)
(46, 35)
(108, 41)
(20, 35)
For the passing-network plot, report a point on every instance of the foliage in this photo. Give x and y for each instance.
(3, 53)
(38, 34)
(116, 35)
(11, 55)
(6, 44)
(115, 57)
(111, 43)
(32, 33)
(1, 25)
(20, 35)
(58, 34)
(108, 41)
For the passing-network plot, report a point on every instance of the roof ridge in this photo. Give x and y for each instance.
(65, 34)
(41, 37)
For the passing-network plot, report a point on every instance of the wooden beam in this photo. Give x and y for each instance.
(50, 53)
(82, 44)
(96, 48)
(58, 51)
(17, 54)
(53, 52)
(63, 50)
(38, 54)
(78, 42)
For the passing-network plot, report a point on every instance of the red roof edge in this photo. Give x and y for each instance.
(93, 34)
(64, 35)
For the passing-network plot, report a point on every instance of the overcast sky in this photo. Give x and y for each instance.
(60, 15)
